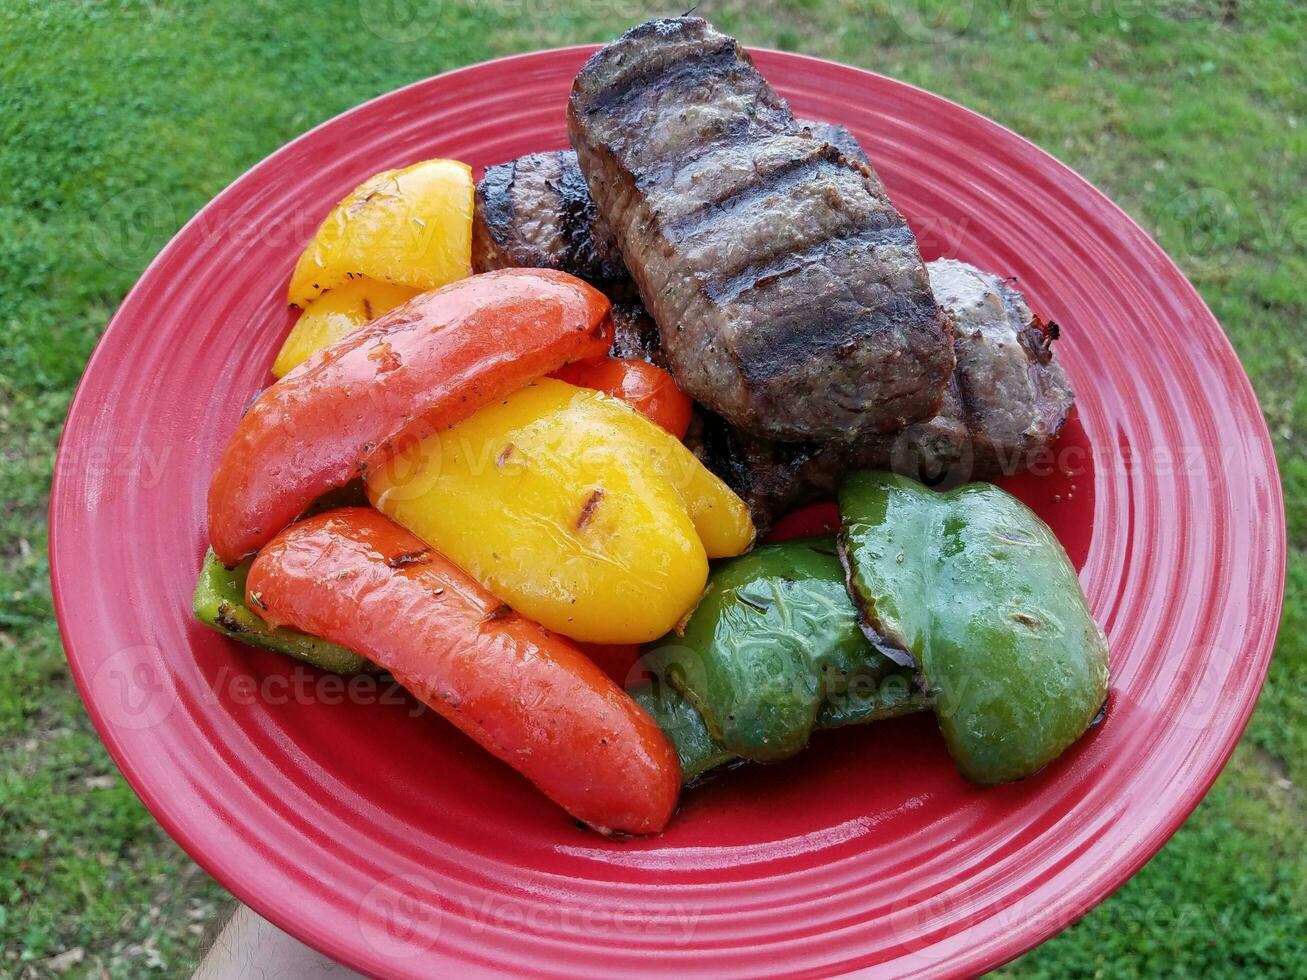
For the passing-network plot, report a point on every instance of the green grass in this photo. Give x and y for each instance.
(119, 120)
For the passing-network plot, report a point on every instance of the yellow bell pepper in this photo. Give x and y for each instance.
(570, 506)
(335, 313)
(410, 227)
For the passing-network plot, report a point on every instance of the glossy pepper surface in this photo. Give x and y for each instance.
(409, 227)
(697, 751)
(429, 364)
(526, 695)
(774, 649)
(572, 507)
(976, 587)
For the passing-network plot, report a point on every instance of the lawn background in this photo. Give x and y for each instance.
(120, 120)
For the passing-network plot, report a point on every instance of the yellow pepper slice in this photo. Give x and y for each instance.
(572, 507)
(334, 314)
(410, 227)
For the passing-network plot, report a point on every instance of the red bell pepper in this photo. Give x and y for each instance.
(526, 695)
(645, 387)
(428, 364)
(617, 660)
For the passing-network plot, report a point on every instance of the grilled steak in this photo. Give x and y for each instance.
(536, 211)
(1006, 402)
(788, 291)
(840, 138)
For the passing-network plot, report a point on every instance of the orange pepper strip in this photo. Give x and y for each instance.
(647, 388)
(526, 695)
(426, 365)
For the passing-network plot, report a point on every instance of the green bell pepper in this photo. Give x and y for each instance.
(219, 603)
(773, 650)
(699, 752)
(695, 747)
(977, 588)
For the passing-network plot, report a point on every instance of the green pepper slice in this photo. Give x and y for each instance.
(696, 749)
(773, 641)
(219, 603)
(978, 589)
(699, 752)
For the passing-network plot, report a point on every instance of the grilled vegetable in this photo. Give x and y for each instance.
(524, 694)
(650, 390)
(429, 364)
(572, 507)
(335, 313)
(775, 643)
(699, 753)
(696, 750)
(219, 603)
(978, 590)
(410, 227)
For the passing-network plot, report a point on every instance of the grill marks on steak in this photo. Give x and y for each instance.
(536, 211)
(789, 293)
(1006, 401)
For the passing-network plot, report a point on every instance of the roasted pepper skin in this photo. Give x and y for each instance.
(572, 507)
(647, 388)
(526, 695)
(424, 366)
(219, 603)
(980, 592)
(773, 649)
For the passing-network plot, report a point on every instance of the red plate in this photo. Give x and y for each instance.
(395, 845)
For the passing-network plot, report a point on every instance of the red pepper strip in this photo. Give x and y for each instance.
(645, 387)
(526, 695)
(617, 660)
(428, 364)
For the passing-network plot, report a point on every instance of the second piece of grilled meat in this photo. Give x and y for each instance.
(1007, 401)
(789, 293)
(636, 335)
(536, 211)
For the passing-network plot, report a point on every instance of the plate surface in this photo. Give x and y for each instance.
(393, 844)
